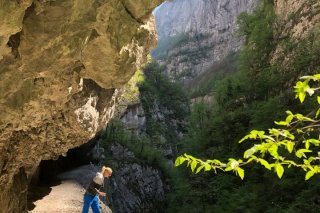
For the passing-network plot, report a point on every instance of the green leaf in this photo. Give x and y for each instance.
(273, 150)
(301, 153)
(302, 96)
(317, 113)
(207, 167)
(228, 169)
(289, 112)
(301, 88)
(189, 156)
(279, 169)
(313, 141)
(281, 123)
(306, 162)
(289, 118)
(256, 133)
(311, 159)
(215, 161)
(193, 165)
(287, 134)
(252, 158)
(244, 138)
(290, 146)
(300, 117)
(318, 99)
(247, 154)
(307, 145)
(300, 131)
(179, 161)
(265, 163)
(199, 169)
(240, 172)
(274, 132)
(309, 174)
(316, 77)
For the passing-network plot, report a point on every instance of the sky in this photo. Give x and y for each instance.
(157, 8)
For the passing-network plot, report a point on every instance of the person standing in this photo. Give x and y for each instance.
(91, 196)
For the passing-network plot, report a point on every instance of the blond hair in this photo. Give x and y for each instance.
(104, 168)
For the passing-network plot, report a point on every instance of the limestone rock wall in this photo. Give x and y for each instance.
(210, 28)
(135, 187)
(134, 119)
(297, 18)
(296, 21)
(61, 65)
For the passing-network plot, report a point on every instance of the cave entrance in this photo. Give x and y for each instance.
(77, 164)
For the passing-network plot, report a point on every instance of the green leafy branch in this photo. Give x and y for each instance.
(295, 143)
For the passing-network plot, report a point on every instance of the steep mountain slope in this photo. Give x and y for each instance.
(193, 34)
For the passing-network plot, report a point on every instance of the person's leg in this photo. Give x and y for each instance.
(95, 204)
(87, 201)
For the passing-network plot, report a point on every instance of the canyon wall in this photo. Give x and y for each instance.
(197, 33)
(136, 186)
(296, 20)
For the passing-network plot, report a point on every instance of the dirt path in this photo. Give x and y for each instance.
(66, 197)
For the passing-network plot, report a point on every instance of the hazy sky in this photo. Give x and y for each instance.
(158, 7)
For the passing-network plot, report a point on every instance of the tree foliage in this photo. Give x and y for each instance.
(258, 92)
(164, 102)
(295, 143)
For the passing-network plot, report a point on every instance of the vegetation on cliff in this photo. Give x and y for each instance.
(166, 107)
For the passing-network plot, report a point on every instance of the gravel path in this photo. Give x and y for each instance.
(64, 198)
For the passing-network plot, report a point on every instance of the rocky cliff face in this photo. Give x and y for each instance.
(61, 63)
(135, 187)
(134, 119)
(199, 16)
(297, 18)
(204, 30)
(296, 21)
